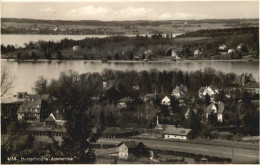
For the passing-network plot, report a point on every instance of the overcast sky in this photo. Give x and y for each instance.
(108, 11)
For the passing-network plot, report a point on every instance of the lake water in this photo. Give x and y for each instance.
(20, 39)
(28, 72)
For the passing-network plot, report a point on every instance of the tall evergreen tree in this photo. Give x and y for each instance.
(207, 99)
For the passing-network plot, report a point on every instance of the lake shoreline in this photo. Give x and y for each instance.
(133, 61)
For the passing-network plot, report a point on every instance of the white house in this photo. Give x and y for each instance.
(177, 133)
(174, 54)
(239, 47)
(128, 148)
(122, 151)
(216, 108)
(222, 47)
(231, 51)
(166, 101)
(75, 48)
(197, 53)
(58, 119)
(203, 91)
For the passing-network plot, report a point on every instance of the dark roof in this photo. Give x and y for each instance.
(131, 143)
(182, 89)
(31, 102)
(177, 131)
(50, 118)
(59, 117)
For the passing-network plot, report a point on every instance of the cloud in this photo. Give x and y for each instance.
(47, 9)
(189, 16)
(89, 11)
(107, 14)
(165, 16)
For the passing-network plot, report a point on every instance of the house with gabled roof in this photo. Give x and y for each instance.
(180, 91)
(124, 102)
(55, 118)
(177, 133)
(130, 147)
(35, 108)
(166, 101)
(211, 91)
(216, 108)
(149, 97)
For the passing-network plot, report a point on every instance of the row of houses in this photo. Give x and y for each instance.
(222, 48)
(179, 92)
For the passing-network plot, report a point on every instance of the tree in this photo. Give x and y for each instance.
(19, 55)
(207, 99)
(80, 132)
(131, 56)
(212, 118)
(187, 80)
(7, 81)
(30, 141)
(60, 55)
(34, 55)
(40, 86)
(246, 98)
(102, 118)
(12, 146)
(117, 56)
(180, 78)
(194, 123)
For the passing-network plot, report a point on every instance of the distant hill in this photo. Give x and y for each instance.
(137, 22)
